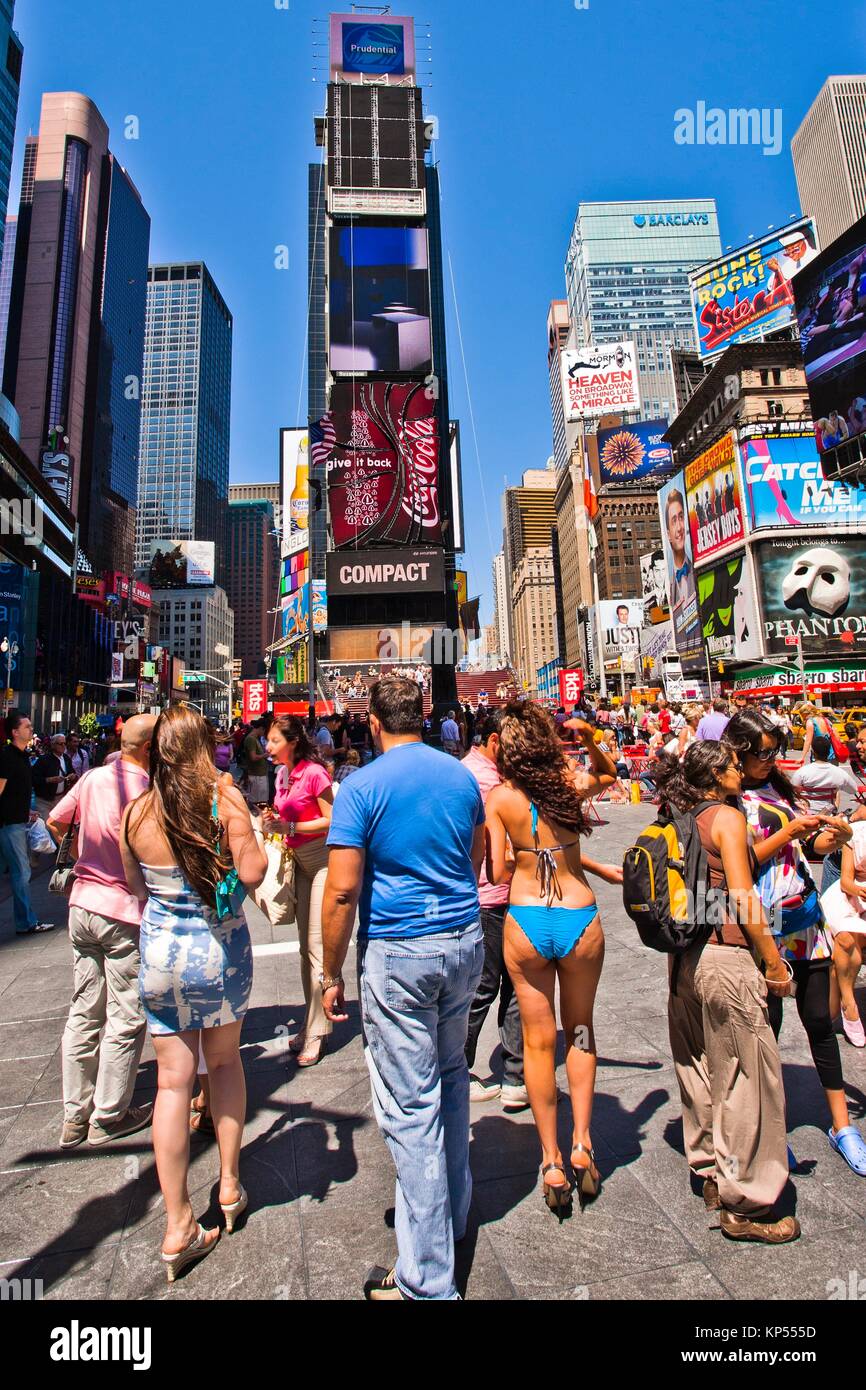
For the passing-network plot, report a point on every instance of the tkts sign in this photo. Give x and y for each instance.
(379, 443)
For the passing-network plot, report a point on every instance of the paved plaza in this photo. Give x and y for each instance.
(89, 1223)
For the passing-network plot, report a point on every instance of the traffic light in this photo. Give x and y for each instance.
(720, 667)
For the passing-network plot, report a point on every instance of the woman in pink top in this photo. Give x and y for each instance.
(303, 801)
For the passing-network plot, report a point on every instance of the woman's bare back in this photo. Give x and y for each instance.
(515, 812)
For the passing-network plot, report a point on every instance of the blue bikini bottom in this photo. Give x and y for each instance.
(553, 931)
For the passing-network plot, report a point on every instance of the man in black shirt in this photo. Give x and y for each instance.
(53, 775)
(16, 786)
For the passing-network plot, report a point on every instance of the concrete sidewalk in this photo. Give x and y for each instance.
(89, 1223)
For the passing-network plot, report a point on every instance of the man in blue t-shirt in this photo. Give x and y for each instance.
(407, 845)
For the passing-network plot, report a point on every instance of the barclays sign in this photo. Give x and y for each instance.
(672, 219)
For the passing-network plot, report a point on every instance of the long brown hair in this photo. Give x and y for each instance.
(181, 797)
(531, 757)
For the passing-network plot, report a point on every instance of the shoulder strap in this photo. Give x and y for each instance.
(534, 822)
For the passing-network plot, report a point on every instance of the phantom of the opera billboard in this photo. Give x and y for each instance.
(713, 493)
(814, 591)
(379, 448)
(749, 293)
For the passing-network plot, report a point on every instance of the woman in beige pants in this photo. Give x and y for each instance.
(303, 804)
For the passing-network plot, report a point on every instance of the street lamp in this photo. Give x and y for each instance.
(11, 649)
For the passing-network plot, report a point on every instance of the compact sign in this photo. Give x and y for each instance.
(406, 571)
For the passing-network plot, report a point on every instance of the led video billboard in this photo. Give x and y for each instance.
(379, 448)
(181, 564)
(813, 591)
(372, 46)
(785, 486)
(376, 137)
(630, 452)
(831, 312)
(294, 520)
(749, 293)
(379, 299)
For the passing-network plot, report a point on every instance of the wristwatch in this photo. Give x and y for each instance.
(330, 981)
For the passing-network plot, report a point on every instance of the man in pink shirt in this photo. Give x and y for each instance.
(104, 921)
(495, 980)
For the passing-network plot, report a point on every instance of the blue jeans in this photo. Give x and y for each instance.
(15, 856)
(415, 998)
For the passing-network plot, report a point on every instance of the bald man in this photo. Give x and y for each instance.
(104, 919)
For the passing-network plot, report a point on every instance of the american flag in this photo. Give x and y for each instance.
(323, 437)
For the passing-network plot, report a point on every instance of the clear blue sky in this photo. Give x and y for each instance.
(540, 105)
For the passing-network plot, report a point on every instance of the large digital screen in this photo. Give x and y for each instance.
(376, 137)
(785, 486)
(814, 591)
(630, 452)
(682, 587)
(599, 381)
(181, 564)
(379, 447)
(831, 312)
(749, 293)
(379, 299)
(713, 493)
(729, 616)
(375, 46)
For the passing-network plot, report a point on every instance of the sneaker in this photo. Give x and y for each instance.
(514, 1099)
(854, 1031)
(483, 1090)
(37, 927)
(381, 1286)
(74, 1133)
(137, 1117)
(737, 1227)
(712, 1200)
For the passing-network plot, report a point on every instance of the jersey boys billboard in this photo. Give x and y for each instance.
(599, 380)
(713, 493)
(746, 295)
(379, 445)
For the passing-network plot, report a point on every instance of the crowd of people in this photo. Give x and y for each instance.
(491, 906)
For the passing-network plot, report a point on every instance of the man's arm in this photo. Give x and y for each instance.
(339, 906)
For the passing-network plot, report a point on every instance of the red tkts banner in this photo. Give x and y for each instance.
(380, 445)
(255, 700)
(570, 687)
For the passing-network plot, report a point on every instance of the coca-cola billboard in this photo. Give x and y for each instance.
(379, 443)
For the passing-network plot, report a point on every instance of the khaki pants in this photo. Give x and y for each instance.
(311, 870)
(99, 1075)
(730, 1077)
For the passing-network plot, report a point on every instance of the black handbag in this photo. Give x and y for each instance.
(63, 877)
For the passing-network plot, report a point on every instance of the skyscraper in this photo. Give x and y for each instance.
(185, 411)
(627, 278)
(253, 580)
(829, 153)
(11, 58)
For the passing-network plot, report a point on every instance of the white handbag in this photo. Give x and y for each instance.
(275, 895)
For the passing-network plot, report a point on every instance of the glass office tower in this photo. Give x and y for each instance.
(185, 411)
(627, 278)
(11, 58)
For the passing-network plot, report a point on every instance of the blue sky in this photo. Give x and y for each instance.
(540, 105)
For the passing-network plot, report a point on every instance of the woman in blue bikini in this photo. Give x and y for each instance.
(552, 930)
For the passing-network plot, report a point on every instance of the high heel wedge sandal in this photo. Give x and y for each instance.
(558, 1199)
(198, 1247)
(586, 1180)
(235, 1210)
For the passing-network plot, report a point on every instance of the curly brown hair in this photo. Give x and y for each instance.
(181, 797)
(531, 757)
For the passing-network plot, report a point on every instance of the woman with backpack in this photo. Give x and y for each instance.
(793, 908)
(726, 1058)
